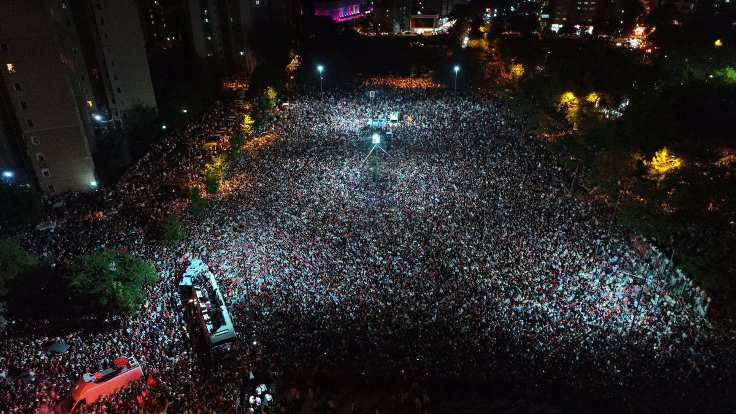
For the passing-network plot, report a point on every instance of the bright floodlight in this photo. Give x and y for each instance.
(93, 183)
(184, 110)
(320, 68)
(8, 174)
(376, 139)
(97, 117)
(163, 126)
(457, 68)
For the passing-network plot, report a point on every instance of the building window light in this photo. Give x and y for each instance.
(10, 67)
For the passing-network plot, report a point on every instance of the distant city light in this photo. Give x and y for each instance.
(718, 43)
(8, 174)
(184, 110)
(163, 127)
(242, 53)
(376, 139)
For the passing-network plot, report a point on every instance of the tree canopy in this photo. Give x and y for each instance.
(19, 205)
(14, 261)
(111, 282)
(172, 230)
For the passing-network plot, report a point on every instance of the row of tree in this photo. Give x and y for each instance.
(172, 230)
(652, 135)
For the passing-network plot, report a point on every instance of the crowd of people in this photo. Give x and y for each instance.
(399, 83)
(454, 247)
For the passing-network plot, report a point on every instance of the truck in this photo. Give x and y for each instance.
(89, 388)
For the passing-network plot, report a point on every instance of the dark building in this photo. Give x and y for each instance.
(46, 87)
(162, 22)
(220, 29)
(120, 65)
(68, 68)
(207, 19)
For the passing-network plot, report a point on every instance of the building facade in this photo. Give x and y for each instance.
(69, 69)
(46, 89)
(121, 62)
(207, 19)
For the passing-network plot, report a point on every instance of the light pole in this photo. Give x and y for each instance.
(376, 140)
(320, 69)
(456, 69)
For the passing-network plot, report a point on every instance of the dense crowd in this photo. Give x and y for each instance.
(401, 83)
(456, 249)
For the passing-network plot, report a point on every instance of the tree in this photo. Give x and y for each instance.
(268, 99)
(246, 127)
(111, 282)
(236, 144)
(14, 261)
(199, 203)
(214, 173)
(211, 183)
(19, 206)
(172, 230)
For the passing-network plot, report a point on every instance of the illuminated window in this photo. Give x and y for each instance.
(10, 67)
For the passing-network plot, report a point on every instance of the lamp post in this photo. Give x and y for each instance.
(376, 140)
(456, 69)
(320, 69)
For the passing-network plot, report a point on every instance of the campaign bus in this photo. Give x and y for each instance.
(204, 305)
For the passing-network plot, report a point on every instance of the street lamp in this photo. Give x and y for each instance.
(8, 174)
(456, 69)
(376, 139)
(320, 69)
